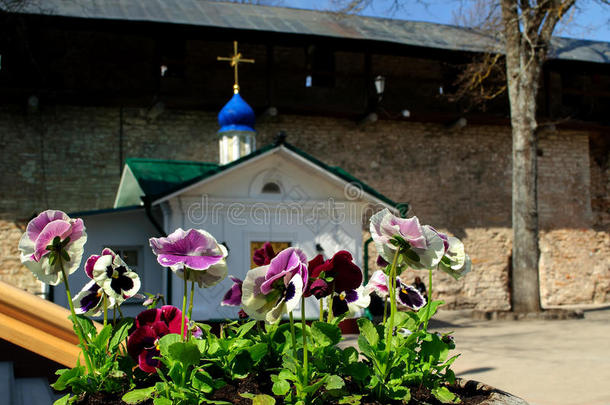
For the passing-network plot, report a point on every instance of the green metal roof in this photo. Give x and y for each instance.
(159, 178)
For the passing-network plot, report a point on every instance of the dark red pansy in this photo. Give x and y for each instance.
(319, 289)
(150, 326)
(346, 275)
(263, 255)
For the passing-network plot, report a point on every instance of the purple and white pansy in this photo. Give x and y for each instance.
(426, 248)
(40, 233)
(407, 295)
(89, 301)
(195, 252)
(350, 301)
(111, 273)
(272, 290)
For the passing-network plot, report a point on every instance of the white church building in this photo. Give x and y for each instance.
(277, 193)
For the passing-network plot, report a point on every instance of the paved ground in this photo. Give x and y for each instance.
(544, 362)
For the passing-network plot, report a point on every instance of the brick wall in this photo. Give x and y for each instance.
(457, 180)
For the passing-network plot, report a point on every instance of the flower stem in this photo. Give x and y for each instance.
(191, 301)
(321, 301)
(304, 326)
(392, 292)
(186, 276)
(105, 298)
(80, 333)
(429, 300)
(294, 336)
(385, 309)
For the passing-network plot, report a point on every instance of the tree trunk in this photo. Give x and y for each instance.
(525, 279)
(523, 68)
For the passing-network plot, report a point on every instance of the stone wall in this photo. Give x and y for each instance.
(457, 180)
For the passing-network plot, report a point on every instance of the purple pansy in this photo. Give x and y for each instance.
(407, 295)
(40, 233)
(195, 250)
(116, 279)
(89, 301)
(272, 290)
(233, 296)
(426, 248)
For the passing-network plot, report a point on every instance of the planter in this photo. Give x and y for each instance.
(494, 396)
(474, 393)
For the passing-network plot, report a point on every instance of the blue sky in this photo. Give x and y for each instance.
(591, 20)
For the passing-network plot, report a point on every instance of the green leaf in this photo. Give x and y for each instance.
(325, 334)
(334, 382)
(186, 353)
(280, 387)
(245, 328)
(121, 331)
(358, 371)
(349, 355)
(166, 341)
(258, 351)
(365, 347)
(139, 395)
(423, 313)
(202, 382)
(101, 340)
(63, 400)
(433, 349)
(87, 326)
(260, 399)
(162, 401)
(66, 376)
(445, 396)
(351, 400)
(367, 329)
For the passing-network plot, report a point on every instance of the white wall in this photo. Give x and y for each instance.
(234, 211)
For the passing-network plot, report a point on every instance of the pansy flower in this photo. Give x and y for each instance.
(89, 301)
(337, 274)
(272, 290)
(263, 255)
(40, 233)
(407, 295)
(455, 261)
(150, 326)
(233, 296)
(350, 301)
(116, 279)
(195, 251)
(424, 247)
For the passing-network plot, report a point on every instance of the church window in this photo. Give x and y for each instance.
(271, 188)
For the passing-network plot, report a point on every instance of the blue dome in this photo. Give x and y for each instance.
(236, 115)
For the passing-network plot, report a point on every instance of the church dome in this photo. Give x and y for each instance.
(236, 115)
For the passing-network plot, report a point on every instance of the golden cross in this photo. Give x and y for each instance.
(235, 60)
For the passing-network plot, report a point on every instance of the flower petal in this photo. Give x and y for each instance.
(409, 296)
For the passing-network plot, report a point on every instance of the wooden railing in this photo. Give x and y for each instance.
(37, 325)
